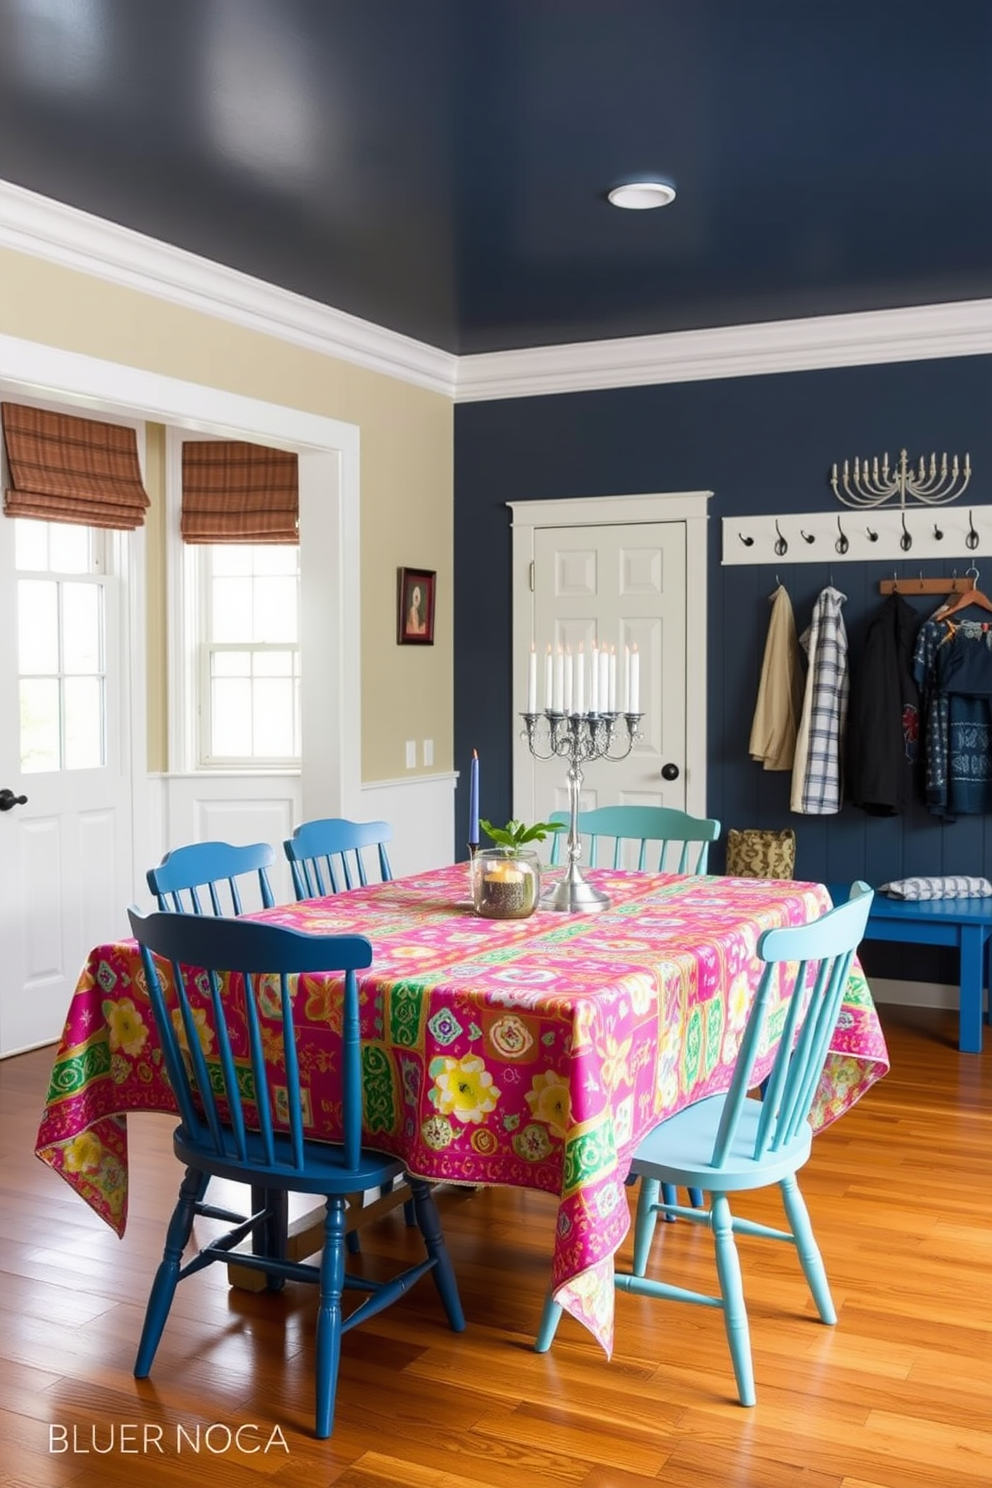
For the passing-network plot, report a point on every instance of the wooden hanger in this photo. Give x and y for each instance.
(965, 600)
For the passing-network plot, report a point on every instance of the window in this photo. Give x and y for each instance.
(248, 655)
(61, 649)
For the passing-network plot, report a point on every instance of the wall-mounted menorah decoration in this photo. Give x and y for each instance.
(872, 484)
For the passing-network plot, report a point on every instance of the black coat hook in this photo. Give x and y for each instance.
(937, 533)
(807, 537)
(842, 543)
(971, 540)
(872, 536)
(781, 546)
(747, 541)
(906, 541)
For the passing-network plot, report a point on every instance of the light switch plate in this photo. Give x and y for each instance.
(428, 751)
(411, 754)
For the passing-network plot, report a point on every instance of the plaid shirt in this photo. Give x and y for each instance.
(816, 776)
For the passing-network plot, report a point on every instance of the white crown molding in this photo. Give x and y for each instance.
(960, 328)
(47, 229)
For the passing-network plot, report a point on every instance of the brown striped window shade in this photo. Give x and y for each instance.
(235, 492)
(69, 469)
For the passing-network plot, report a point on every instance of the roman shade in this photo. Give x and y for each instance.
(235, 492)
(63, 468)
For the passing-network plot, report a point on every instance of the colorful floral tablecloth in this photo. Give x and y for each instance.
(533, 1053)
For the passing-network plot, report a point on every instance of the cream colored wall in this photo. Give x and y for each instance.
(406, 478)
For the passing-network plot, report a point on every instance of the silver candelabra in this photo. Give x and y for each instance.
(579, 738)
(872, 484)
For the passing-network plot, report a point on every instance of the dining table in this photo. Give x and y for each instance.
(532, 1053)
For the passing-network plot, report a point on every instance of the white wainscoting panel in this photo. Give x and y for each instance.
(422, 812)
(234, 808)
(266, 808)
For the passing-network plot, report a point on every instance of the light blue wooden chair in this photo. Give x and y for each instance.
(328, 855)
(201, 878)
(227, 1131)
(668, 841)
(732, 1143)
(680, 843)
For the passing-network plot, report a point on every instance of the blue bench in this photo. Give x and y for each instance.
(965, 923)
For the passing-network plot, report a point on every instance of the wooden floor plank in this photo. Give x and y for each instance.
(894, 1397)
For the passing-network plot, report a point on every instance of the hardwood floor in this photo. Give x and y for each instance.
(896, 1396)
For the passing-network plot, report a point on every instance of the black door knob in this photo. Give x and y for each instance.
(669, 772)
(8, 799)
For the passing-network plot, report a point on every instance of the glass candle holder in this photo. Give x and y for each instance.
(505, 886)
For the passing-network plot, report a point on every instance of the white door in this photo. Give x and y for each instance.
(65, 849)
(622, 587)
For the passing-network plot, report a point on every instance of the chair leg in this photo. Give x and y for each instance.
(443, 1272)
(809, 1252)
(548, 1326)
(732, 1291)
(644, 1222)
(271, 1241)
(191, 1191)
(329, 1320)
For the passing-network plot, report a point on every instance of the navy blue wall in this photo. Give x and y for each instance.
(762, 445)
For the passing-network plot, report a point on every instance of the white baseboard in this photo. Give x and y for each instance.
(913, 994)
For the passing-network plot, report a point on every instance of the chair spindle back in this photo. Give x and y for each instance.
(232, 983)
(183, 875)
(326, 855)
(679, 843)
(808, 966)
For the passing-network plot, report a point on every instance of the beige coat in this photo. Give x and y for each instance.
(780, 690)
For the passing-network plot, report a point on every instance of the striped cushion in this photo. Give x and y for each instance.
(953, 887)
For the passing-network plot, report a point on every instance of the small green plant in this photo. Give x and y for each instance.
(515, 835)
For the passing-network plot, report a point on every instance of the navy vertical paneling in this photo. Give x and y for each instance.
(762, 445)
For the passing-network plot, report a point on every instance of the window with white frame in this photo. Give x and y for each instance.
(247, 654)
(61, 645)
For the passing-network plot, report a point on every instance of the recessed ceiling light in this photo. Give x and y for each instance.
(638, 196)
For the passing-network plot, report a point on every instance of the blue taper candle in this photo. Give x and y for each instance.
(473, 801)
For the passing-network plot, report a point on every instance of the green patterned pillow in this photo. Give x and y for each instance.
(755, 853)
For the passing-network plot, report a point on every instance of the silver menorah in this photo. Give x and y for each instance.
(872, 484)
(579, 738)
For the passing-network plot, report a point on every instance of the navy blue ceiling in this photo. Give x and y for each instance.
(440, 166)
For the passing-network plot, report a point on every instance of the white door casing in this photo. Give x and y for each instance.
(66, 850)
(617, 569)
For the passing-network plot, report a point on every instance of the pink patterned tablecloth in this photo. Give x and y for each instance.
(533, 1053)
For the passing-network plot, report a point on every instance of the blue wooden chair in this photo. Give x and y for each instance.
(326, 856)
(226, 1130)
(680, 842)
(733, 1143)
(681, 845)
(207, 867)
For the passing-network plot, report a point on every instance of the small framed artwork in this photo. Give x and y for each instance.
(415, 606)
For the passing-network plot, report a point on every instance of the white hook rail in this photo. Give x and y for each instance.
(867, 536)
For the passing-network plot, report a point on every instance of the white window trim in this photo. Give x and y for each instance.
(329, 550)
(188, 684)
(330, 783)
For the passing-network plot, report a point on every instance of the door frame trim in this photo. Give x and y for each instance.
(689, 507)
(329, 520)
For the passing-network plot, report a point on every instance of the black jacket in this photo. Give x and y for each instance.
(884, 720)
